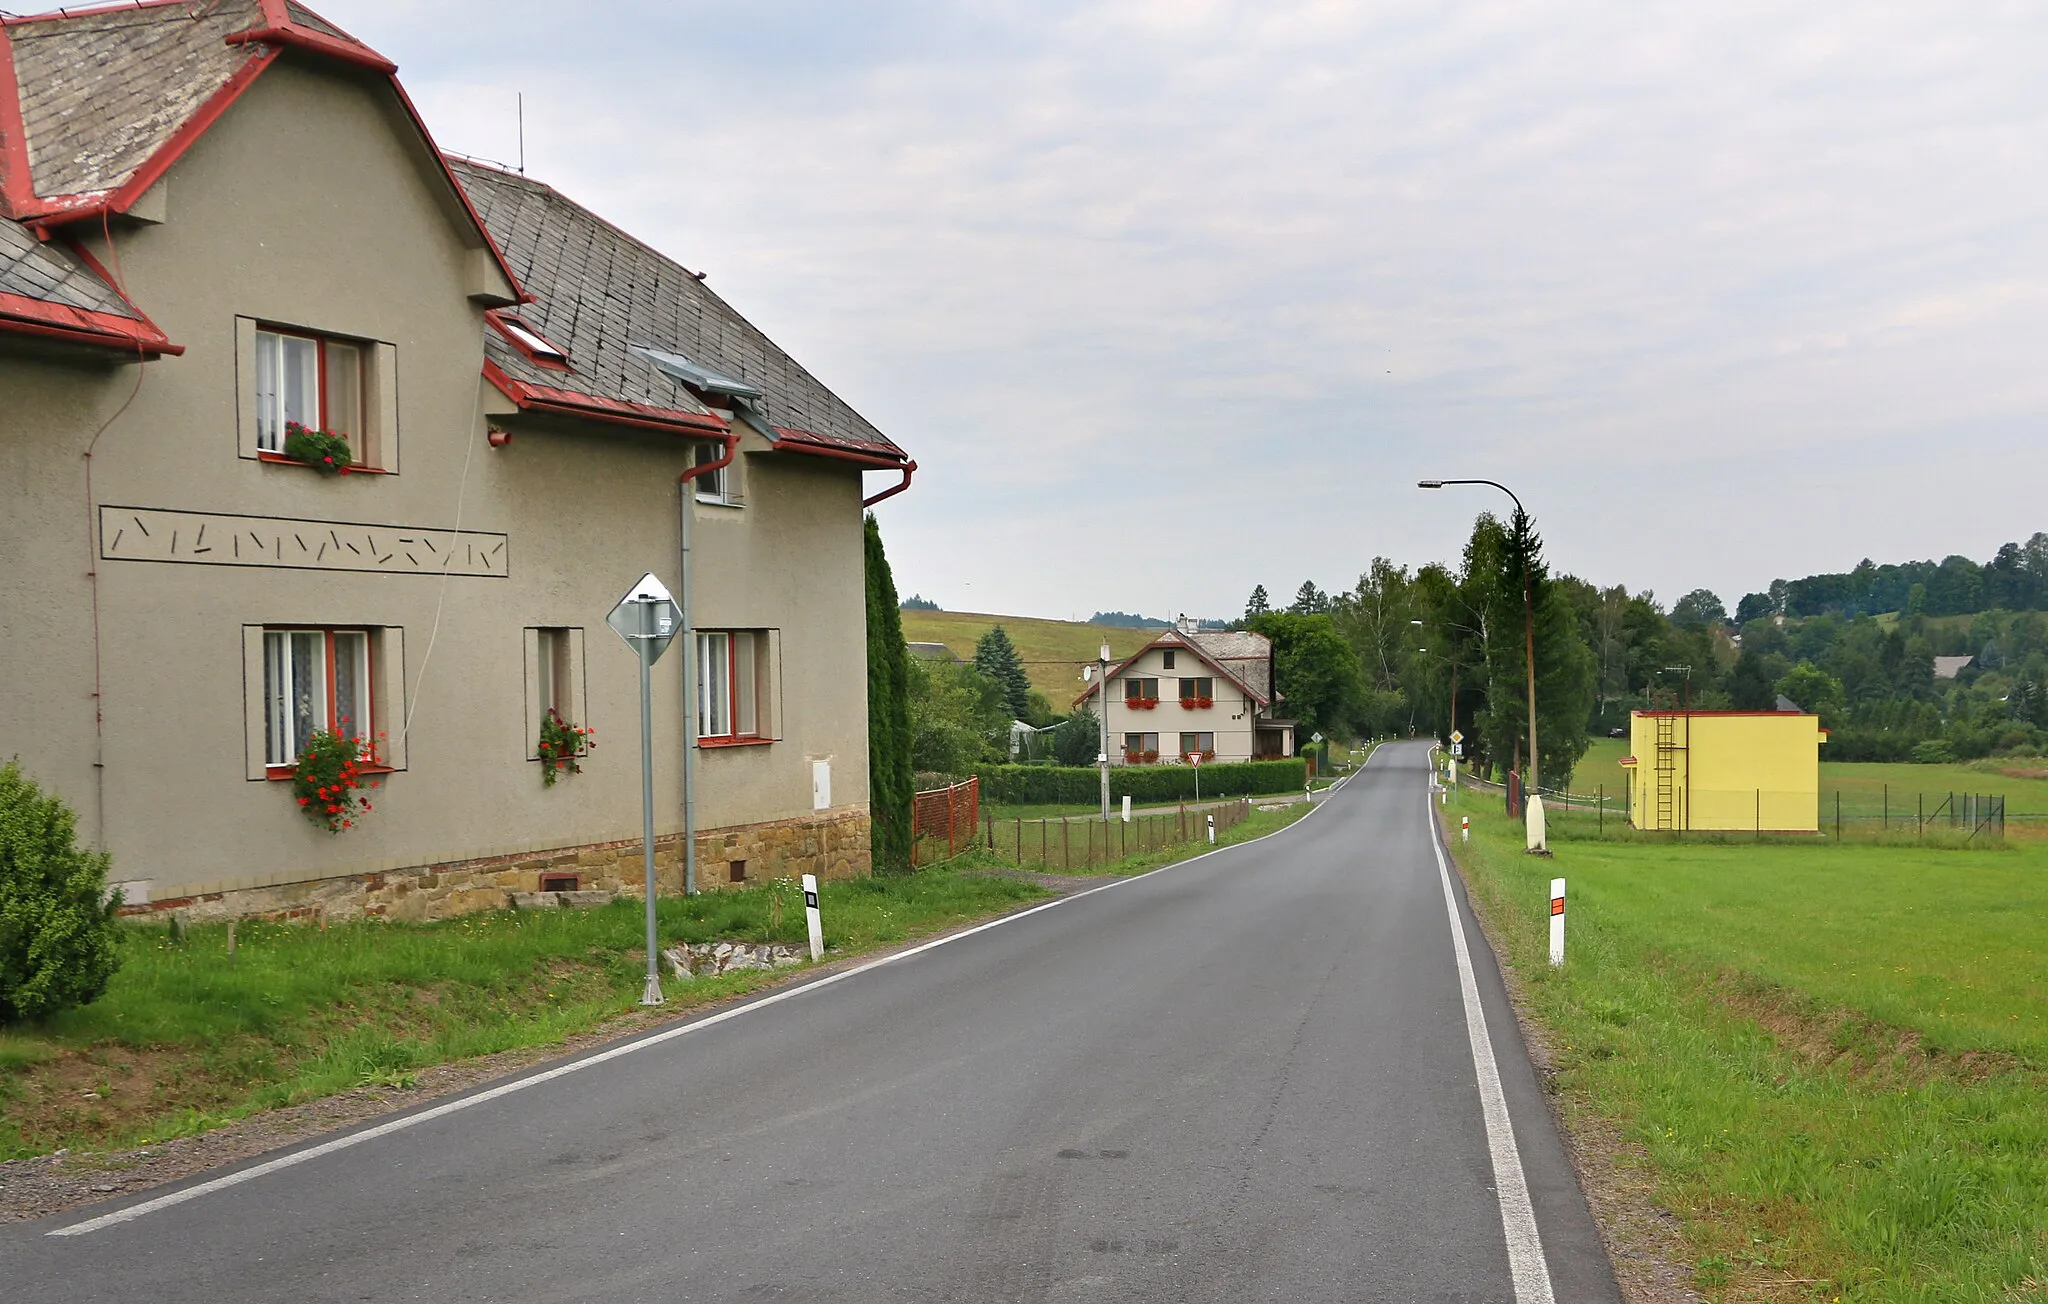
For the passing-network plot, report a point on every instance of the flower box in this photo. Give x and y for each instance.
(1141, 703)
(1193, 703)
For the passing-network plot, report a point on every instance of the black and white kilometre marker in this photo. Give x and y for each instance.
(811, 917)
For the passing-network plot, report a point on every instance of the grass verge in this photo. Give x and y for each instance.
(1260, 823)
(1832, 1061)
(188, 1038)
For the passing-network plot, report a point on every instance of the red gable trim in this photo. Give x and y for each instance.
(14, 172)
(548, 400)
(25, 316)
(19, 194)
(1173, 640)
(45, 213)
(793, 440)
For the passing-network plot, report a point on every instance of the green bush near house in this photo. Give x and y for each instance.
(1044, 785)
(57, 930)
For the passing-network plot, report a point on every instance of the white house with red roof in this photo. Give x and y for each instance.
(1193, 692)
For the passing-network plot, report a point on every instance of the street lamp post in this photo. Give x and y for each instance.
(1528, 619)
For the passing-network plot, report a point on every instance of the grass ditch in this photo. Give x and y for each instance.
(188, 1038)
(1831, 1061)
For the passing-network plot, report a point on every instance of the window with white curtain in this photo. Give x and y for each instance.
(314, 680)
(311, 381)
(729, 685)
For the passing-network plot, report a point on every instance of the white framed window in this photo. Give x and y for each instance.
(719, 486)
(729, 686)
(314, 680)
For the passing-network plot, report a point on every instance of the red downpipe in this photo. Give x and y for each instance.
(909, 468)
(732, 445)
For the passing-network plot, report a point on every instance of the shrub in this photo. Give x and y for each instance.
(57, 930)
(1933, 751)
(1042, 785)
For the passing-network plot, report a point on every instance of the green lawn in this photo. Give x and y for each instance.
(1832, 1059)
(1053, 650)
(187, 1037)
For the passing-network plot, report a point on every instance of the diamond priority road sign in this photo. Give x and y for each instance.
(647, 616)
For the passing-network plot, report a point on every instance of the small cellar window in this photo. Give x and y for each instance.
(737, 870)
(558, 882)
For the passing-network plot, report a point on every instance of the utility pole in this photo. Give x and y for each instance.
(1102, 717)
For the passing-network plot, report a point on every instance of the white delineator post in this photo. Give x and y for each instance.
(1127, 808)
(1556, 923)
(1464, 828)
(817, 925)
(1212, 830)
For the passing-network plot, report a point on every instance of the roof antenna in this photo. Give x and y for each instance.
(522, 133)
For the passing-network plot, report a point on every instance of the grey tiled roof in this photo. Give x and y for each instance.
(598, 291)
(1248, 655)
(47, 272)
(102, 92)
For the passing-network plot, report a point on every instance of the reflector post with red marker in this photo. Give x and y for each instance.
(1556, 922)
(1465, 828)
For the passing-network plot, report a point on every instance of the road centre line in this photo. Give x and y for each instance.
(133, 1212)
(1526, 1265)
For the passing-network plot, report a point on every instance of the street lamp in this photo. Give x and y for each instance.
(1528, 617)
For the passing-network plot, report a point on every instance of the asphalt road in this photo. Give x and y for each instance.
(1247, 1077)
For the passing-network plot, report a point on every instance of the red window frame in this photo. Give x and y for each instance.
(733, 738)
(369, 729)
(513, 328)
(355, 438)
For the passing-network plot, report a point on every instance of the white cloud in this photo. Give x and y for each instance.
(1727, 291)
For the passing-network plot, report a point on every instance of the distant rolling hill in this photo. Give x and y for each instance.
(1053, 650)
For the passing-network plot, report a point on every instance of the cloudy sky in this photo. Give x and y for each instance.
(1170, 298)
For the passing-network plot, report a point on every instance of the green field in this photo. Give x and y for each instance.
(1053, 650)
(1831, 1061)
(188, 1036)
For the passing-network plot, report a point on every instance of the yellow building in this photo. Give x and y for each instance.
(1725, 770)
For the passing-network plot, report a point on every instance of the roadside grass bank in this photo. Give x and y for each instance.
(1830, 1060)
(188, 1037)
(1256, 825)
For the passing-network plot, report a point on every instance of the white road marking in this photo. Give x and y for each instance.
(574, 1066)
(1526, 1265)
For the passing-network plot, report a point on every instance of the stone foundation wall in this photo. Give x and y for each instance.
(833, 845)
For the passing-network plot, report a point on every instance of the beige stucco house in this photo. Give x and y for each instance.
(216, 220)
(1194, 691)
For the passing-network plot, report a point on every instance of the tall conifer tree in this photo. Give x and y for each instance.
(889, 776)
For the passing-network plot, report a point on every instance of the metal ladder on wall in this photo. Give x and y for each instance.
(1667, 767)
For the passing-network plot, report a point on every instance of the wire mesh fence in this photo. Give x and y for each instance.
(943, 821)
(1081, 843)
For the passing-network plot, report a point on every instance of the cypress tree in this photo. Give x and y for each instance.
(889, 775)
(996, 657)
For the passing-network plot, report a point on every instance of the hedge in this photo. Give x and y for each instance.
(1045, 785)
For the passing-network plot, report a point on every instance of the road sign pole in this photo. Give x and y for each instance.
(646, 619)
(652, 996)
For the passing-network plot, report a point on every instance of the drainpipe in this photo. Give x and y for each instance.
(909, 469)
(687, 509)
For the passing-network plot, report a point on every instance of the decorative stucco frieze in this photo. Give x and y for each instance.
(227, 539)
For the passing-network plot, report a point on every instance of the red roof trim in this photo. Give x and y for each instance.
(15, 184)
(303, 38)
(45, 213)
(462, 196)
(794, 440)
(1792, 715)
(25, 316)
(86, 11)
(548, 400)
(1174, 638)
